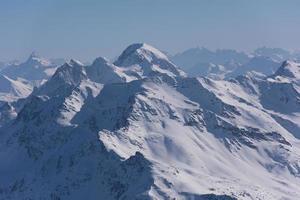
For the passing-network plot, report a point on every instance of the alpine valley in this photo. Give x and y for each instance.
(141, 128)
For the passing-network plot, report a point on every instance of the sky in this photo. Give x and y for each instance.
(85, 29)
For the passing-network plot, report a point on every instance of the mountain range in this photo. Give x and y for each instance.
(142, 128)
(227, 63)
(219, 64)
(19, 79)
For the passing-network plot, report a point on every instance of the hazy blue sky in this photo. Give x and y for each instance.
(85, 29)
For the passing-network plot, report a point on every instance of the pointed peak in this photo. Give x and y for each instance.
(36, 59)
(33, 56)
(289, 69)
(72, 65)
(72, 73)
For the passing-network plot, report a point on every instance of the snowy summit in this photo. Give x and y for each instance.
(140, 128)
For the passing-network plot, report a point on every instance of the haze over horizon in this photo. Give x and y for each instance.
(162, 117)
(85, 30)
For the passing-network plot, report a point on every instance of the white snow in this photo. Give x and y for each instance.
(11, 90)
(77, 136)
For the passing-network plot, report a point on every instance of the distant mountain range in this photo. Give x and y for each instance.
(19, 79)
(141, 128)
(34, 68)
(230, 63)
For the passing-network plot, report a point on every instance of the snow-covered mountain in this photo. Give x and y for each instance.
(276, 54)
(215, 71)
(142, 60)
(19, 79)
(194, 56)
(227, 64)
(217, 64)
(208, 70)
(10, 89)
(139, 128)
(289, 72)
(264, 65)
(33, 69)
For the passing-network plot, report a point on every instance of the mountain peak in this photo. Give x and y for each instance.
(34, 54)
(156, 52)
(147, 60)
(145, 47)
(35, 59)
(139, 52)
(100, 61)
(289, 69)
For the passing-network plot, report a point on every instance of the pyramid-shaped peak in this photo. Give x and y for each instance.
(34, 54)
(289, 69)
(33, 57)
(36, 59)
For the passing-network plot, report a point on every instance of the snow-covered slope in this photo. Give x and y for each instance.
(215, 71)
(142, 60)
(10, 89)
(141, 129)
(288, 71)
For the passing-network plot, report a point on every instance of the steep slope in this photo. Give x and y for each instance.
(7, 113)
(182, 131)
(142, 60)
(104, 72)
(288, 71)
(141, 129)
(43, 126)
(10, 89)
